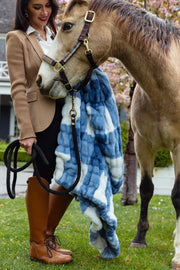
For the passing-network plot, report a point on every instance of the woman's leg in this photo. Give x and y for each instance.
(37, 199)
(47, 141)
(37, 202)
(54, 216)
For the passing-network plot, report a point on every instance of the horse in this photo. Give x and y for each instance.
(149, 48)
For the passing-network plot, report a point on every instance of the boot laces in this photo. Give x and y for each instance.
(49, 252)
(48, 246)
(52, 242)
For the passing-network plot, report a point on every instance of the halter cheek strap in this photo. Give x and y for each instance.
(59, 68)
(83, 39)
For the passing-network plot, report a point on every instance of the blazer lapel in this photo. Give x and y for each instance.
(35, 44)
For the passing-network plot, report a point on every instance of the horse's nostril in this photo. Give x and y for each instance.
(39, 81)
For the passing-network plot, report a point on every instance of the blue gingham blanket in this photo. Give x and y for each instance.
(100, 148)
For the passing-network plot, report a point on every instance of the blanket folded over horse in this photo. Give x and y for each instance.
(100, 148)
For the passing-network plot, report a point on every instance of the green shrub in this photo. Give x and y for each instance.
(22, 154)
(3, 145)
(163, 159)
(124, 134)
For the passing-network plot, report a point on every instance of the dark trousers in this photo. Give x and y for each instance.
(47, 140)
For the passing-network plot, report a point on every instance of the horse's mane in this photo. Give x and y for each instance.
(144, 28)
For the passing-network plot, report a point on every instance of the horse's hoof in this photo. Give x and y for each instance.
(176, 262)
(175, 266)
(137, 245)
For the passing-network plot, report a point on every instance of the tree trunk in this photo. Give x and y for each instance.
(129, 190)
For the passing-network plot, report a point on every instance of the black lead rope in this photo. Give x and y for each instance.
(11, 152)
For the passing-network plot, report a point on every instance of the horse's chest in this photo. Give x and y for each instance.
(161, 134)
(157, 122)
(161, 131)
(169, 133)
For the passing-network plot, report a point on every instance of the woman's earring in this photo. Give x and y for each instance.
(26, 15)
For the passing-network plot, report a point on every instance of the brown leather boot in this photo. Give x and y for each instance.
(54, 216)
(37, 202)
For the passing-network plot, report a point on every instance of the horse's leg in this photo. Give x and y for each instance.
(146, 160)
(175, 196)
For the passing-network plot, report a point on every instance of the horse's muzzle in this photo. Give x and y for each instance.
(44, 91)
(39, 81)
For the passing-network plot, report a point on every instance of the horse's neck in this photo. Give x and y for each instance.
(139, 64)
(144, 65)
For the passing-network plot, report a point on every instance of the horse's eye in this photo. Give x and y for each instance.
(67, 26)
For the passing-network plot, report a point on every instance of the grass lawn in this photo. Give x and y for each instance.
(73, 232)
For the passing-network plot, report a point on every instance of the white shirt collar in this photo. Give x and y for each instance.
(31, 30)
(45, 44)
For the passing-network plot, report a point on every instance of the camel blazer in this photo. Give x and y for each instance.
(34, 112)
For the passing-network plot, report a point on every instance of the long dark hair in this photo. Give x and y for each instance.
(21, 21)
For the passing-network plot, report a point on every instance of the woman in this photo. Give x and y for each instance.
(38, 121)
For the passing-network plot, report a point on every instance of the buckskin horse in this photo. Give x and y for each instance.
(150, 49)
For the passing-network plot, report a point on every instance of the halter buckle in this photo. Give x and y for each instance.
(89, 12)
(58, 67)
(68, 86)
(86, 46)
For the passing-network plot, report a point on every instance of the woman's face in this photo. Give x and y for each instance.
(39, 12)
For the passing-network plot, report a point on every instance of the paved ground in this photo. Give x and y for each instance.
(21, 184)
(163, 181)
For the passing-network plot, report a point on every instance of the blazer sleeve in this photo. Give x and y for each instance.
(17, 73)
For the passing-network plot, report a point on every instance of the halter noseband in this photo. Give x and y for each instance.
(83, 39)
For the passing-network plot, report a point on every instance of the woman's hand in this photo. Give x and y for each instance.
(27, 144)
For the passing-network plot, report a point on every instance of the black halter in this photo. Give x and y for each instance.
(83, 39)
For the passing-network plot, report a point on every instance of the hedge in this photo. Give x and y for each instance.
(162, 158)
(22, 154)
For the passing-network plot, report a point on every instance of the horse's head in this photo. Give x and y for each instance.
(77, 65)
